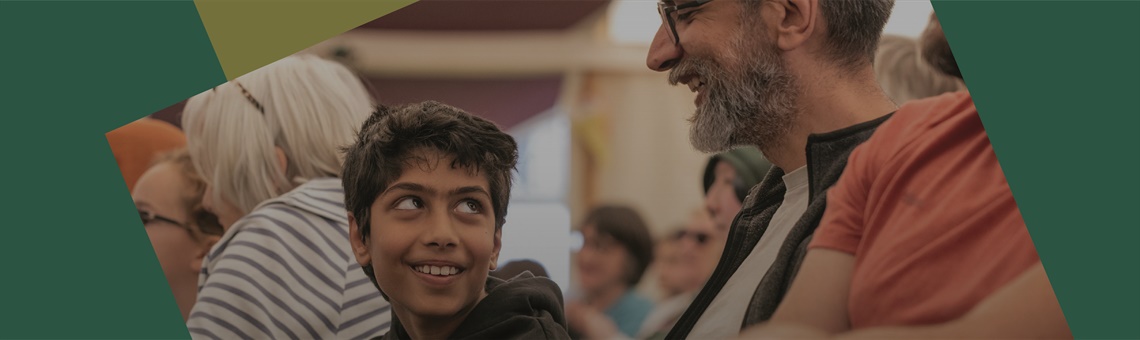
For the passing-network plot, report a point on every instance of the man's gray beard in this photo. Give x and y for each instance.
(754, 106)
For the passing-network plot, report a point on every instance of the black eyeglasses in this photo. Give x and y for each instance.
(150, 217)
(206, 222)
(668, 14)
(700, 237)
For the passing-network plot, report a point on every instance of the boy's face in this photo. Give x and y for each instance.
(433, 239)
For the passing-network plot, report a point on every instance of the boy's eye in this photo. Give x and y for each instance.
(468, 207)
(409, 203)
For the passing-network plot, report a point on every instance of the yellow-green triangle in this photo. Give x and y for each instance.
(248, 34)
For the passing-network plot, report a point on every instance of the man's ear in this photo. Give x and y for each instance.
(207, 243)
(359, 244)
(498, 246)
(792, 22)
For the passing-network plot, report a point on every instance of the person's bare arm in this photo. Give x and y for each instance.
(1026, 308)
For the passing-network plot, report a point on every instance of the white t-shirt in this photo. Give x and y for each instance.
(724, 316)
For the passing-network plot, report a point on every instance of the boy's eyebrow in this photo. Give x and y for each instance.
(470, 189)
(409, 187)
(415, 187)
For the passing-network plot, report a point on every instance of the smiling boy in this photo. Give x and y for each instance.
(427, 186)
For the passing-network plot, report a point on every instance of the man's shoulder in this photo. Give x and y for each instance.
(923, 119)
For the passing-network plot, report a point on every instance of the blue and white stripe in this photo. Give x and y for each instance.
(286, 271)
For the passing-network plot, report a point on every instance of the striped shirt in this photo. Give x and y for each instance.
(286, 271)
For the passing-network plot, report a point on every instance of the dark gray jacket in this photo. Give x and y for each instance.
(826, 157)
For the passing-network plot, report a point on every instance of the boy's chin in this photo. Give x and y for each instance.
(442, 308)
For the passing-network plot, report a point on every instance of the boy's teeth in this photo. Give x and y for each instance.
(433, 270)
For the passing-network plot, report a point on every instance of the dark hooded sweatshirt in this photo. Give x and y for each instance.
(525, 307)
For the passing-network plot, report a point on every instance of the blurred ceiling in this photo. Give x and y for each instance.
(507, 101)
(488, 15)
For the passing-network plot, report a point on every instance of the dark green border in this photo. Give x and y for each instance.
(76, 262)
(1057, 84)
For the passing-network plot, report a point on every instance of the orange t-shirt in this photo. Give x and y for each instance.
(925, 209)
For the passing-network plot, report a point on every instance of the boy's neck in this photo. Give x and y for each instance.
(437, 328)
(433, 330)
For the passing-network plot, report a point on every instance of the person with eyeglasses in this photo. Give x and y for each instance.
(169, 196)
(617, 248)
(269, 146)
(682, 259)
(685, 259)
(793, 78)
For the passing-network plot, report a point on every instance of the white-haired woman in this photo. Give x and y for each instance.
(268, 144)
(904, 75)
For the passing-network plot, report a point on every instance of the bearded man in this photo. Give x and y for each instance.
(793, 78)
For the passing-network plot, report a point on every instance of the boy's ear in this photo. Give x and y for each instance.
(498, 246)
(359, 245)
(207, 243)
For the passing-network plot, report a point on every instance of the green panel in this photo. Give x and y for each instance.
(77, 263)
(249, 34)
(1057, 84)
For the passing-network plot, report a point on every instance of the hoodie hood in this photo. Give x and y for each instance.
(524, 307)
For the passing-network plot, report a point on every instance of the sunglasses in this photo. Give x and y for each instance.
(700, 237)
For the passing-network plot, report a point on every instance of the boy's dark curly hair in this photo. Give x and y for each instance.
(396, 137)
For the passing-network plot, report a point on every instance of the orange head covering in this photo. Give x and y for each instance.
(136, 144)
